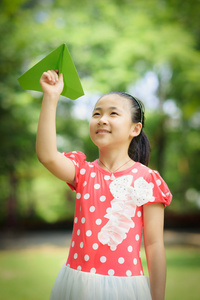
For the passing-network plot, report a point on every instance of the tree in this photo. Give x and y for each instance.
(114, 44)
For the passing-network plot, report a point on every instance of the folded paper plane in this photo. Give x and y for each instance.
(58, 59)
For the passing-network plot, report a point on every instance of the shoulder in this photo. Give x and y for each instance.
(76, 155)
(78, 158)
(152, 186)
(150, 175)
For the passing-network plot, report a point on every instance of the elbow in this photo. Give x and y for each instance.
(41, 159)
(44, 159)
(44, 156)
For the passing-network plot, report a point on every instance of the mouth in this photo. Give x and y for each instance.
(102, 131)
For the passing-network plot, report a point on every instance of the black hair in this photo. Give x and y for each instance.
(139, 148)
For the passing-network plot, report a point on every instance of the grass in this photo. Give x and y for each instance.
(30, 274)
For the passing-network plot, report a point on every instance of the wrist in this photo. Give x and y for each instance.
(51, 97)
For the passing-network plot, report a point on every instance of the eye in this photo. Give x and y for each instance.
(114, 113)
(96, 114)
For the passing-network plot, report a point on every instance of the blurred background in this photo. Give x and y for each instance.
(150, 49)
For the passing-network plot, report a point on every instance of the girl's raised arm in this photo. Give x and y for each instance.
(46, 146)
(154, 248)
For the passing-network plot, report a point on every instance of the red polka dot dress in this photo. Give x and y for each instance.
(104, 258)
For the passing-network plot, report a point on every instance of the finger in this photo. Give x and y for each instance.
(57, 73)
(60, 77)
(46, 76)
(53, 76)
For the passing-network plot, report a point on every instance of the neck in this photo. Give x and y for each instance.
(114, 159)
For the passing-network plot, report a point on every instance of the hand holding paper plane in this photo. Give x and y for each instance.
(58, 59)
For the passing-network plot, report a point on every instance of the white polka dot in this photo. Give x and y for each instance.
(135, 170)
(88, 232)
(111, 272)
(102, 198)
(128, 273)
(79, 268)
(76, 220)
(97, 186)
(83, 220)
(130, 248)
(86, 196)
(75, 256)
(139, 214)
(93, 270)
(113, 248)
(92, 209)
(72, 155)
(93, 174)
(121, 260)
(85, 182)
(98, 221)
(107, 177)
(150, 171)
(137, 237)
(86, 257)
(132, 225)
(78, 232)
(95, 246)
(151, 185)
(141, 272)
(135, 261)
(78, 196)
(82, 171)
(108, 210)
(91, 166)
(124, 236)
(73, 244)
(81, 244)
(158, 181)
(103, 259)
(68, 265)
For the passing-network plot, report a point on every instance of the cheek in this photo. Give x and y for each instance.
(91, 127)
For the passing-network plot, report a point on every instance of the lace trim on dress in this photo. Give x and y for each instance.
(123, 208)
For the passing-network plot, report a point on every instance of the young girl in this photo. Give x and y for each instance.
(117, 196)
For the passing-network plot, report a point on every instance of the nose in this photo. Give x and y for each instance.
(103, 120)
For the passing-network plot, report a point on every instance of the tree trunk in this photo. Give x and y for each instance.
(12, 202)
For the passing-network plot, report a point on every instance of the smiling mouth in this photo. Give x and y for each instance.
(102, 131)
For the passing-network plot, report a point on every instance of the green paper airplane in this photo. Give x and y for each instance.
(58, 59)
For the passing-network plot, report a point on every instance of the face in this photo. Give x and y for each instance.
(111, 124)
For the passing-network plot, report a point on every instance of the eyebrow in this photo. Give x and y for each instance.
(110, 108)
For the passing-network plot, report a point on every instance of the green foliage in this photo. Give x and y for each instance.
(114, 44)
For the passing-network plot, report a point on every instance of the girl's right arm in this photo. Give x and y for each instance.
(46, 146)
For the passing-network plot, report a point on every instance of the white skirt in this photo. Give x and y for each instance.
(72, 284)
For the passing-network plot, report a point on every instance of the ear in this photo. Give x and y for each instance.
(136, 129)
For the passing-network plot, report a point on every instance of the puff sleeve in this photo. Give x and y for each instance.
(160, 190)
(78, 158)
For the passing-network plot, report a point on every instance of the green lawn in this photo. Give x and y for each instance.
(29, 274)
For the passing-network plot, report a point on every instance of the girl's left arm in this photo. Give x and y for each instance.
(153, 215)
